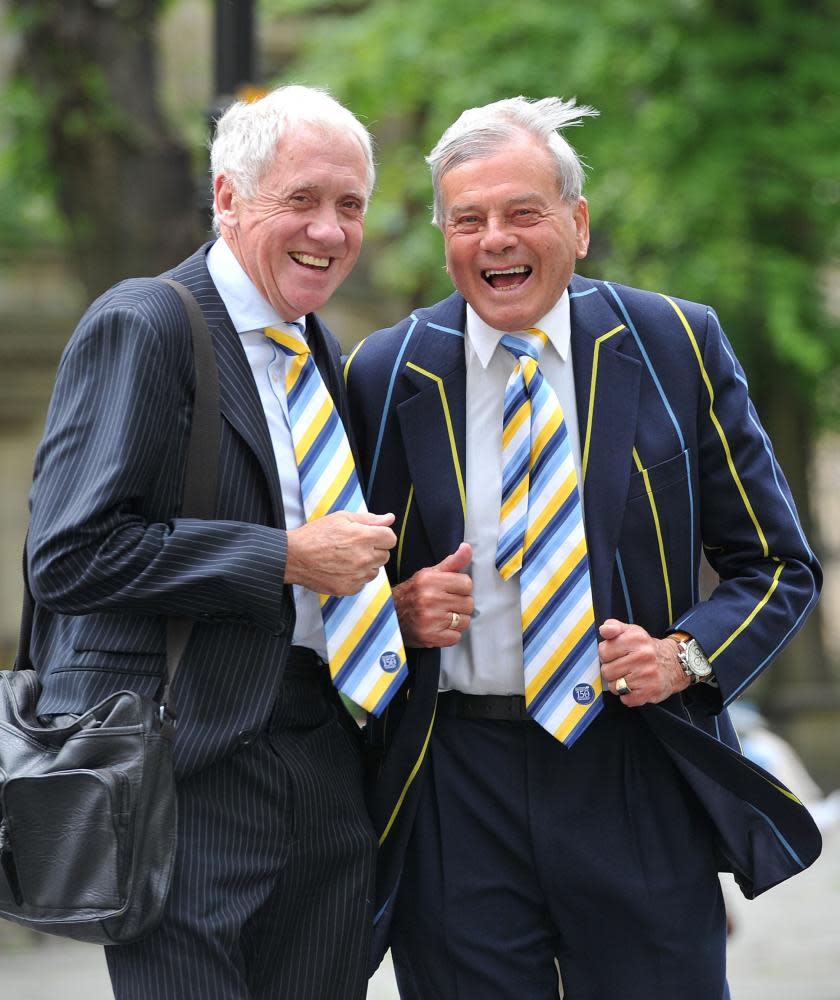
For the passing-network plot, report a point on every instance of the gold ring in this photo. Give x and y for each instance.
(455, 621)
(621, 686)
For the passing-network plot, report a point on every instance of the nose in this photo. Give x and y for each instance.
(325, 228)
(497, 236)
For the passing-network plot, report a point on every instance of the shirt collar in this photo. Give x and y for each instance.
(556, 324)
(247, 309)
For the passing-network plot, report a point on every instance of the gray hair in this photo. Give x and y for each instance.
(248, 133)
(481, 132)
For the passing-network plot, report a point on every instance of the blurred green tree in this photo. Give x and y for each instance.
(715, 165)
(93, 164)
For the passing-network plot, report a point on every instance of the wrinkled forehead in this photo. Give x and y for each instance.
(323, 145)
(515, 172)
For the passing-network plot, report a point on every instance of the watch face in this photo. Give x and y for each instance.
(696, 659)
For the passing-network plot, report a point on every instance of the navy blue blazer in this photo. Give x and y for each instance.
(109, 555)
(675, 463)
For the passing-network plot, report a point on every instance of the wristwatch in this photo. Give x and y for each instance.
(692, 659)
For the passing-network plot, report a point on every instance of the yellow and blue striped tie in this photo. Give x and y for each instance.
(541, 537)
(364, 645)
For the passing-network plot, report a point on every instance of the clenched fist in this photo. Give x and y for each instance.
(434, 606)
(339, 553)
(649, 667)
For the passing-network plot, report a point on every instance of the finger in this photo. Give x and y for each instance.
(614, 669)
(380, 557)
(452, 621)
(382, 538)
(612, 628)
(365, 517)
(456, 587)
(451, 637)
(611, 651)
(457, 560)
(463, 623)
(457, 621)
(463, 605)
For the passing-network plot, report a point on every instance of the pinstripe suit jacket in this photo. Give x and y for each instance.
(674, 459)
(109, 555)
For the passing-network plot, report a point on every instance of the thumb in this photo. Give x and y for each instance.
(611, 628)
(458, 560)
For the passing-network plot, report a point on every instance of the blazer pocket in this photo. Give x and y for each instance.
(120, 633)
(119, 643)
(112, 662)
(664, 474)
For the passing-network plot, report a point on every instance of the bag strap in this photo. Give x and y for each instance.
(199, 497)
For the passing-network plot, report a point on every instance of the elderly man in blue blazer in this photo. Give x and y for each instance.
(560, 782)
(273, 877)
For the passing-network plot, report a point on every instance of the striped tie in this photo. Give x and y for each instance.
(364, 645)
(541, 534)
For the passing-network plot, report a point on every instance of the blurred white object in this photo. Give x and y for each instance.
(772, 752)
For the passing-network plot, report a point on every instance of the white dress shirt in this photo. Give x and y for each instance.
(488, 659)
(250, 313)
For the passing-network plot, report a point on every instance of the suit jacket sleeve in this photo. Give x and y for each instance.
(769, 577)
(116, 430)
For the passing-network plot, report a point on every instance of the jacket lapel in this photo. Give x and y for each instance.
(239, 399)
(432, 417)
(607, 390)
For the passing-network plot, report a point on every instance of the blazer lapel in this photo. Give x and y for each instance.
(239, 399)
(607, 391)
(432, 419)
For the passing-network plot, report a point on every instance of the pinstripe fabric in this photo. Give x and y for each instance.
(110, 556)
(541, 538)
(276, 856)
(367, 658)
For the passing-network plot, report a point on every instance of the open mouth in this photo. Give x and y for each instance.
(307, 260)
(508, 277)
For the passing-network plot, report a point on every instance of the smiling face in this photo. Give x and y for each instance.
(511, 239)
(300, 235)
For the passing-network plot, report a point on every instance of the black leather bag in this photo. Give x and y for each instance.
(88, 814)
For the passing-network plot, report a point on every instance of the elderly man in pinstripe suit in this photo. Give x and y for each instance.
(274, 870)
(563, 784)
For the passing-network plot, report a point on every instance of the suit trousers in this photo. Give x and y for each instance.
(530, 862)
(273, 881)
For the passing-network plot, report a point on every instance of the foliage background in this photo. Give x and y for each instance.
(714, 165)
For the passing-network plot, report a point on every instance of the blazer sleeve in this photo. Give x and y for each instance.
(123, 390)
(769, 577)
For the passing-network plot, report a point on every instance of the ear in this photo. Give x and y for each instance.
(581, 216)
(226, 201)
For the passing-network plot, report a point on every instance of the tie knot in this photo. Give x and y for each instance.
(289, 337)
(529, 343)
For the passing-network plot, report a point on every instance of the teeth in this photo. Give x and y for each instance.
(305, 258)
(522, 269)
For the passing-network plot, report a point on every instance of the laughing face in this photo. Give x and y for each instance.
(511, 239)
(300, 235)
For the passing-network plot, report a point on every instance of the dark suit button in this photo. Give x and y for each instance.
(247, 737)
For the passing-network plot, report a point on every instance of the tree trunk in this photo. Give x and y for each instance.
(124, 182)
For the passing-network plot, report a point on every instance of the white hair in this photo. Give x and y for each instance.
(248, 133)
(481, 132)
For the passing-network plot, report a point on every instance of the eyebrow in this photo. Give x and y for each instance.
(520, 199)
(318, 189)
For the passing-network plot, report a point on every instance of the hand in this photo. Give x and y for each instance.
(339, 553)
(650, 666)
(426, 601)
